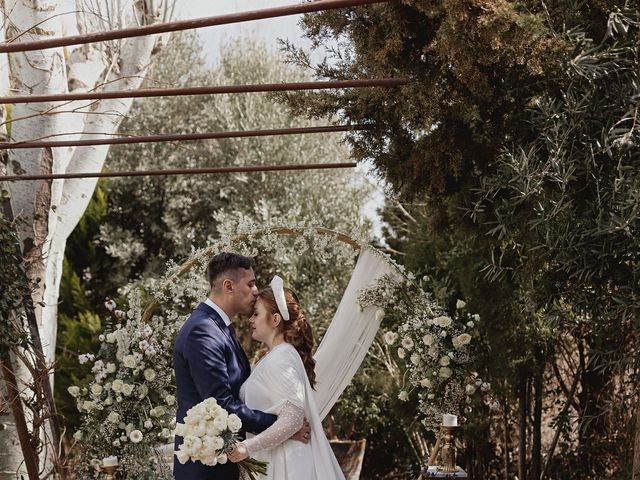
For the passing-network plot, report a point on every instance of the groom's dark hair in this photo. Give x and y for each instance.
(226, 262)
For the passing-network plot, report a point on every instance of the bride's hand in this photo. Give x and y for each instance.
(304, 434)
(239, 453)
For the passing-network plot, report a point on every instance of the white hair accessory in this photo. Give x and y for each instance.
(277, 286)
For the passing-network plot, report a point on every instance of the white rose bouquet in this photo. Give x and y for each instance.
(210, 433)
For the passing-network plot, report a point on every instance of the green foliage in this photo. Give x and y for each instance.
(15, 287)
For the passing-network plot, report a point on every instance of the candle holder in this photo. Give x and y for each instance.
(448, 449)
(110, 471)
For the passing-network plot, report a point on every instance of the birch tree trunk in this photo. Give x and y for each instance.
(49, 211)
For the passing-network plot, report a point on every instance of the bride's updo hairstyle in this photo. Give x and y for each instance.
(296, 330)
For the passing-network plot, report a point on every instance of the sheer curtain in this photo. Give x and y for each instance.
(350, 334)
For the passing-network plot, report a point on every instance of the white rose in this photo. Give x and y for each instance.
(96, 389)
(445, 372)
(445, 361)
(222, 458)
(403, 396)
(425, 382)
(108, 401)
(443, 321)
(127, 389)
(165, 433)
(148, 424)
(182, 456)
(234, 423)
(428, 340)
(114, 417)
(150, 374)
(136, 436)
(220, 422)
(401, 352)
(130, 361)
(461, 340)
(111, 367)
(157, 411)
(443, 333)
(390, 338)
(117, 385)
(180, 430)
(218, 443)
(379, 315)
(170, 400)
(87, 405)
(73, 391)
(116, 443)
(143, 390)
(460, 305)
(469, 389)
(415, 359)
(407, 343)
(191, 444)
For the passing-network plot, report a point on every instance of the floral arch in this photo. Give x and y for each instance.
(128, 403)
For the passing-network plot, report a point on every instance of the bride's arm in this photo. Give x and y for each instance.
(289, 422)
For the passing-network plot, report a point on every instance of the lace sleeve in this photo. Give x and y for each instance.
(290, 419)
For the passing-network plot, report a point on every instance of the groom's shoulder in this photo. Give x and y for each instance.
(201, 316)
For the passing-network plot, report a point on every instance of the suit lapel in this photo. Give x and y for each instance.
(227, 333)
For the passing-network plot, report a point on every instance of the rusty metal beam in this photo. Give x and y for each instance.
(180, 171)
(296, 9)
(214, 90)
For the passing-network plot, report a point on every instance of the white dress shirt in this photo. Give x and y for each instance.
(223, 315)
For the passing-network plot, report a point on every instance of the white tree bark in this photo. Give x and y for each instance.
(49, 211)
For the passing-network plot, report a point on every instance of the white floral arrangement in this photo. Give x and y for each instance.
(431, 347)
(209, 434)
(128, 404)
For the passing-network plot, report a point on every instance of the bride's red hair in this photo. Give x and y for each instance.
(296, 330)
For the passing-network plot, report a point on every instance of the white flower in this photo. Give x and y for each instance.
(470, 324)
(445, 372)
(111, 337)
(379, 315)
(119, 314)
(96, 389)
(390, 338)
(443, 321)
(108, 401)
(469, 389)
(116, 443)
(443, 333)
(407, 343)
(476, 317)
(87, 405)
(183, 456)
(180, 430)
(165, 433)
(431, 396)
(150, 374)
(148, 424)
(110, 305)
(234, 423)
(157, 411)
(445, 360)
(461, 340)
(73, 391)
(101, 337)
(220, 422)
(425, 382)
(403, 396)
(136, 436)
(222, 458)
(77, 436)
(401, 352)
(85, 357)
(117, 385)
(460, 305)
(130, 361)
(415, 358)
(191, 444)
(111, 367)
(143, 390)
(428, 340)
(127, 389)
(170, 400)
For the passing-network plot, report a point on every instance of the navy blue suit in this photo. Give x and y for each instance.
(209, 363)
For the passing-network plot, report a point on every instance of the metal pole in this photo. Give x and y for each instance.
(179, 171)
(215, 90)
(6, 47)
(174, 137)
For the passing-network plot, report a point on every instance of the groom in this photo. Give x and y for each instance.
(209, 361)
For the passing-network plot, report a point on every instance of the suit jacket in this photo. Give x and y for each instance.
(209, 363)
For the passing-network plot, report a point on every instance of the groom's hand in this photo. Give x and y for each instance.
(304, 434)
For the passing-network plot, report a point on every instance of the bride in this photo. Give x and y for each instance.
(282, 383)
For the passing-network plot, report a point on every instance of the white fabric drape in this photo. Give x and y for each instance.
(351, 333)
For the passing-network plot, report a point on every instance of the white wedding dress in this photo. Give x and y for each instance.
(279, 385)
